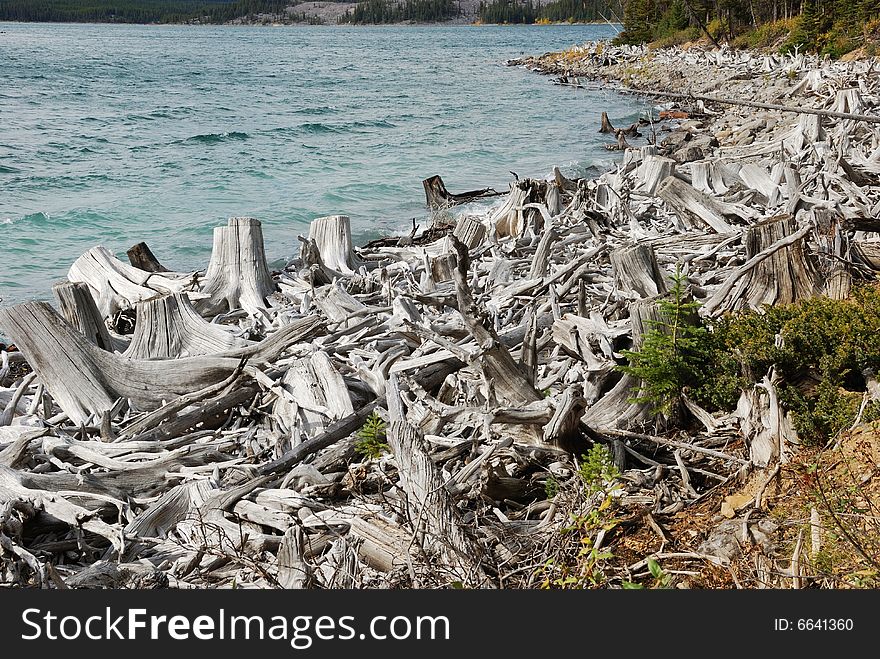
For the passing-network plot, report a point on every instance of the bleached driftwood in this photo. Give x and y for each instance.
(78, 307)
(168, 327)
(237, 274)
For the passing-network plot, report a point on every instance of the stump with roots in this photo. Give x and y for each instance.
(78, 308)
(168, 327)
(636, 270)
(331, 236)
(116, 285)
(86, 381)
(621, 407)
(778, 269)
(237, 275)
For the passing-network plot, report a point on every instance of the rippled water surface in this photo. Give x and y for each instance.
(112, 134)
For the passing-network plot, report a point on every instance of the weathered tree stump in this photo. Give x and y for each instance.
(78, 308)
(438, 197)
(606, 125)
(509, 220)
(778, 269)
(471, 231)
(237, 275)
(141, 257)
(332, 236)
(116, 285)
(652, 171)
(636, 270)
(168, 327)
(87, 381)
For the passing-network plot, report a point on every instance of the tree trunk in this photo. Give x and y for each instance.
(636, 270)
(778, 269)
(606, 125)
(141, 257)
(332, 236)
(168, 327)
(78, 308)
(237, 274)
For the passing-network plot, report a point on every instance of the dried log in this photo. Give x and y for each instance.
(692, 205)
(438, 197)
(293, 572)
(12, 488)
(237, 274)
(78, 308)
(431, 510)
(141, 257)
(169, 327)
(511, 385)
(766, 106)
(636, 270)
(332, 237)
(778, 270)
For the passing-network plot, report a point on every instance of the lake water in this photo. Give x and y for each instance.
(113, 134)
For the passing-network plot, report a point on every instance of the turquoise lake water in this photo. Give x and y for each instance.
(113, 134)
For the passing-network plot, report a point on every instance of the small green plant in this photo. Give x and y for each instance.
(597, 469)
(673, 354)
(662, 579)
(371, 444)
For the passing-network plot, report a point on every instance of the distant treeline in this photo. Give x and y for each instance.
(136, 11)
(572, 11)
(390, 11)
(825, 26)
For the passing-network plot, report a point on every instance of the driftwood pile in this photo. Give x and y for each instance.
(200, 429)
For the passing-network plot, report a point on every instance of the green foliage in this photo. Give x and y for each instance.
(371, 444)
(389, 11)
(558, 11)
(832, 27)
(820, 348)
(673, 353)
(597, 470)
(143, 11)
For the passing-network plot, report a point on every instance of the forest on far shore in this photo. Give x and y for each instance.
(832, 27)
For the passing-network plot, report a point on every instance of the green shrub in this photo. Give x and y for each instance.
(371, 444)
(597, 469)
(820, 348)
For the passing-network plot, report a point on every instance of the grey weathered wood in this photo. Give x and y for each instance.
(432, 514)
(693, 205)
(332, 236)
(169, 327)
(237, 275)
(78, 306)
(636, 271)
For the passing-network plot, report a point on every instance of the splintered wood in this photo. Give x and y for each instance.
(413, 414)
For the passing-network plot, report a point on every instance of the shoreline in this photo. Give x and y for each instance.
(441, 408)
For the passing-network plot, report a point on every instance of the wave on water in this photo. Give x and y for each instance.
(9, 170)
(321, 127)
(216, 138)
(322, 109)
(34, 219)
